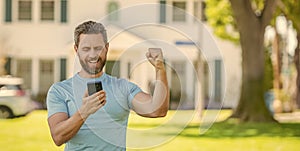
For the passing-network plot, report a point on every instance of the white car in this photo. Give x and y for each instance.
(13, 99)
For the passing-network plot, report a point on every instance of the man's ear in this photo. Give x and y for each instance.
(75, 48)
(107, 46)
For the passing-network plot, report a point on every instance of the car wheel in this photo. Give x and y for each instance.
(5, 112)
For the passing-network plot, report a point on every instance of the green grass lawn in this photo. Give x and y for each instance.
(28, 133)
(178, 131)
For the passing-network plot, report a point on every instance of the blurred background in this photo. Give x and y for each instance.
(241, 57)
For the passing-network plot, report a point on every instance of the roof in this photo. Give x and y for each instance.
(121, 39)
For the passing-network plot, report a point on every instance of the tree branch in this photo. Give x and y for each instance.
(243, 13)
(268, 11)
(242, 8)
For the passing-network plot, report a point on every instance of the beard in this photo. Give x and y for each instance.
(92, 70)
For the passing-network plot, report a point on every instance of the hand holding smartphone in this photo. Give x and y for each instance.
(94, 86)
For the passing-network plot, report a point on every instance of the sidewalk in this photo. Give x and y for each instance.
(288, 117)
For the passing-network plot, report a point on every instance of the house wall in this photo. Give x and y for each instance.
(38, 41)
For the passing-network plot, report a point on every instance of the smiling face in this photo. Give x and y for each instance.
(91, 51)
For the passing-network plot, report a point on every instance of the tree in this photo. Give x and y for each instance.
(220, 17)
(297, 63)
(251, 18)
(291, 9)
(251, 25)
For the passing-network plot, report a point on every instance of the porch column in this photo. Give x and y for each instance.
(35, 76)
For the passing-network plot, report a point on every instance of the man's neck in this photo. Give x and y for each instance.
(84, 74)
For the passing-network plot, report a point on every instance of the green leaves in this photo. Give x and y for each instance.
(291, 9)
(220, 17)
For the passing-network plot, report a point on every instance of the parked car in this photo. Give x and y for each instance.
(13, 99)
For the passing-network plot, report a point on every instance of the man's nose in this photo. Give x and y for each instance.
(94, 53)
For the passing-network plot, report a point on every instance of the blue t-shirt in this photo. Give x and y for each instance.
(106, 128)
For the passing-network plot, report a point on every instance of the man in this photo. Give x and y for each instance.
(99, 121)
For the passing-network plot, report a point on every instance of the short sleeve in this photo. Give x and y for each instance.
(55, 102)
(133, 89)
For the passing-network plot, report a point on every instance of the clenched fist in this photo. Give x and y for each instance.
(155, 57)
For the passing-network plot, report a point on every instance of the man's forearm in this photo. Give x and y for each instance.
(65, 130)
(161, 93)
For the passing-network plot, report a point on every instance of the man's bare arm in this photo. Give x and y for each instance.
(63, 128)
(158, 104)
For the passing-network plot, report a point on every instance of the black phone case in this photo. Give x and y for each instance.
(94, 87)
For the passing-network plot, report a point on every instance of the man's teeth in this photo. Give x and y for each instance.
(95, 61)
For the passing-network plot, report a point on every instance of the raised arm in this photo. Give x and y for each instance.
(157, 105)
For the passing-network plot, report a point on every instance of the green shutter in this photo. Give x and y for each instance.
(8, 11)
(8, 65)
(203, 14)
(63, 69)
(162, 18)
(218, 80)
(113, 68)
(63, 11)
(113, 13)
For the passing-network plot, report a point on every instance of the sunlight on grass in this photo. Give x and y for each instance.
(26, 133)
(32, 133)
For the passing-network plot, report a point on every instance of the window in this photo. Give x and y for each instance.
(112, 11)
(178, 82)
(28, 10)
(46, 75)
(24, 70)
(179, 11)
(47, 10)
(162, 10)
(46, 66)
(24, 10)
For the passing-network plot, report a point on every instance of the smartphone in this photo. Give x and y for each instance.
(94, 86)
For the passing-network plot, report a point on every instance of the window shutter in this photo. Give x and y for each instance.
(162, 9)
(218, 80)
(8, 11)
(63, 11)
(63, 69)
(7, 65)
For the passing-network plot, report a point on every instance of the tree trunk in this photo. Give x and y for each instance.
(251, 107)
(297, 64)
(277, 61)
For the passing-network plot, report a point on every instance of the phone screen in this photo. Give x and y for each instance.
(94, 87)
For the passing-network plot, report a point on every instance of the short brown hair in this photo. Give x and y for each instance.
(89, 27)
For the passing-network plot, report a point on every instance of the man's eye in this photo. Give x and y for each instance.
(99, 48)
(85, 49)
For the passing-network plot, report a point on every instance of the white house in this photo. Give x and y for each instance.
(37, 41)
